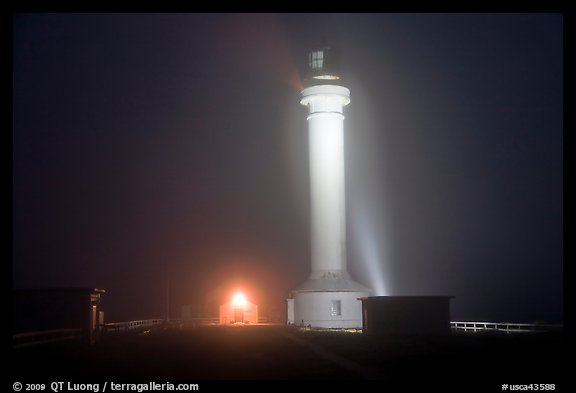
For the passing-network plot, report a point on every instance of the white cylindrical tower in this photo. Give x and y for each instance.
(329, 298)
(327, 197)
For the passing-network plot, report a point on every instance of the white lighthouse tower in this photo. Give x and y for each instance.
(329, 298)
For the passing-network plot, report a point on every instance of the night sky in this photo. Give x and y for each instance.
(156, 146)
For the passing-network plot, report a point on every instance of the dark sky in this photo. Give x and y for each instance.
(149, 146)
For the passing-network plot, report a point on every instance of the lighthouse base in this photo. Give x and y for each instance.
(327, 303)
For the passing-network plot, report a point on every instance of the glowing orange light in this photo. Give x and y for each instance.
(239, 300)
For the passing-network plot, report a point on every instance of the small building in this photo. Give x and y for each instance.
(37, 310)
(238, 310)
(406, 315)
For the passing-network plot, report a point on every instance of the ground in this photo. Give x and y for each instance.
(241, 352)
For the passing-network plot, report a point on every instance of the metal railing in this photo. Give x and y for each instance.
(132, 325)
(506, 327)
(28, 339)
(147, 323)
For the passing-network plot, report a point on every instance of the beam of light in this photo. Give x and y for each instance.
(239, 300)
(369, 238)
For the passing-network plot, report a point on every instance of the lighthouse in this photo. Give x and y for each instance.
(329, 298)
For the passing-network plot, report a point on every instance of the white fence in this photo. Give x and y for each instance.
(132, 325)
(147, 323)
(506, 327)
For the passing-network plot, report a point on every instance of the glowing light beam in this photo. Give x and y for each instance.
(367, 233)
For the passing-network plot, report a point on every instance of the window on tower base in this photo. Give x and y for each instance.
(335, 308)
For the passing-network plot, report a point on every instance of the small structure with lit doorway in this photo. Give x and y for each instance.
(238, 310)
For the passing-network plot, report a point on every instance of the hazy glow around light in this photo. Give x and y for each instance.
(239, 300)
